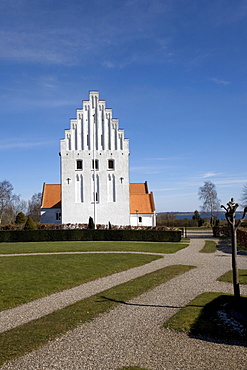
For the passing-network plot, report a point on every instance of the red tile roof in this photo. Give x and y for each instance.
(140, 200)
(138, 188)
(51, 197)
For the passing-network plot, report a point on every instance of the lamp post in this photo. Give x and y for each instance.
(94, 172)
(230, 216)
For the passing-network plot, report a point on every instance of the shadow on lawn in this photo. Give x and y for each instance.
(220, 321)
(224, 245)
(137, 304)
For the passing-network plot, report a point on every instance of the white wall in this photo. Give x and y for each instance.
(94, 134)
(148, 219)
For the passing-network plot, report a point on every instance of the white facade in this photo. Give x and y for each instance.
(95, 167)
(143, 219)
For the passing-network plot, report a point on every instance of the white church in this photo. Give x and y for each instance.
(95, 174)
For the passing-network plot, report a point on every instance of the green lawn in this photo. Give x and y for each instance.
(75, 246)
(212, 315)
(209, 247)
(27, 337)
(25, 278)
(227, 277)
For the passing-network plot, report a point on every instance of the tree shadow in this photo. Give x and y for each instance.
(224, 245)
(136, 304)
(222, 321)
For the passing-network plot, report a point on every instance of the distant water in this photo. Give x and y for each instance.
(221, 216)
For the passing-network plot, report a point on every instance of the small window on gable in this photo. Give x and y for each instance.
(110, 164)
(79, 164)
(95, 164)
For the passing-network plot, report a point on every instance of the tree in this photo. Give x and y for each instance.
(8, 202)
(208, 194)
(19, 205)
(30, 224)
(34, 207)
(91, 223)
(198, 218)
(20, 218)
(244, 196)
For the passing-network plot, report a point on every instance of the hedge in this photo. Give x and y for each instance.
(242, 236)
(226, 231)
(221, 231)
(87, 235)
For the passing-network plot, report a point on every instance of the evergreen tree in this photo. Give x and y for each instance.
(91, 223)
(198, 218)
(20, 218)
(30, 224)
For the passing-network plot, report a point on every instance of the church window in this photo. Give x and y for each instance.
(95, 164)
(79, 164)
(111, 188)
(140, 219)
(79, 188)
(58, 216)
(110, 164)
(95, 188)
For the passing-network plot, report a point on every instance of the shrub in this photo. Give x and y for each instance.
(87, 235)
(242, 236)
(30, 224)
(20, 218)
(91, 225)
(226, 231)
(221, 231)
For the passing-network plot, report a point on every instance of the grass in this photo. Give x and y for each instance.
(23, 339)
(25, 278)
(201, 318)
(81, 246)
(209, 247)
(227, 277)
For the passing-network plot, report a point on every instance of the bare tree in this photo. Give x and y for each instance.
(10, 204)
(244, 196)
(208, 194)
(34, 207)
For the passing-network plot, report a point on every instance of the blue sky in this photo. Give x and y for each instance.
(173, 71)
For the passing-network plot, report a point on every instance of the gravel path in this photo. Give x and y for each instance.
(131, 334)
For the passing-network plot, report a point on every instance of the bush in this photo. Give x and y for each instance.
(242, 236)
(20, 218)
(91, 225)
(221, 231)
(30, 224)
(226, 231)
(87, 235)
(175, 222)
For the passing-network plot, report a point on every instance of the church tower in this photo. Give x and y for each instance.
(95, 167)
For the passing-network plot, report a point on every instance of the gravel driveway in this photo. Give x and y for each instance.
(131, 334)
